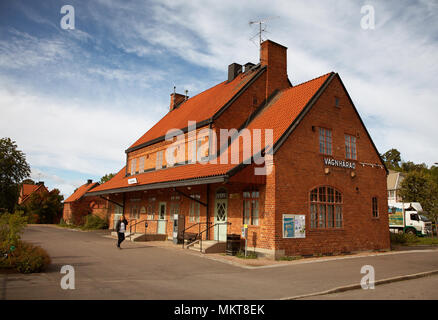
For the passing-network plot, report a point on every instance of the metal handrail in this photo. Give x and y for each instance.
(135, 224)
(199, 230)
(216, 224)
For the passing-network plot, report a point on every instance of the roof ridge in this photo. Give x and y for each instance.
(302, 83)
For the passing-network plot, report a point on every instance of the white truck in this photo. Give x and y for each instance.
(405, 217)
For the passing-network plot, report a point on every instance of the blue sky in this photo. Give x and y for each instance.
(74, 100)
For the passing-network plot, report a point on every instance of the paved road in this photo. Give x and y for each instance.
(418, 289)
(142, 271)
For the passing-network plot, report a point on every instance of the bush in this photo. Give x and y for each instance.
(95, 222)
(28, 258)
(403, 238)
(11, 227)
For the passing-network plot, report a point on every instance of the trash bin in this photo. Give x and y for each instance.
(233, 244)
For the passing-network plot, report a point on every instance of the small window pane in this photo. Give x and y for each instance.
(321, 216)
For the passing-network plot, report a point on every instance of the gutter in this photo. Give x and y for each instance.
(162, 185)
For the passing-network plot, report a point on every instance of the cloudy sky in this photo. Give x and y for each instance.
(74, 100)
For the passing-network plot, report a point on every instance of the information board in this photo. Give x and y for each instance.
(294, 226)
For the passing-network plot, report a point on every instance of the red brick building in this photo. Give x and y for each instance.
(28, 189)
(324, 187)
(76, 207)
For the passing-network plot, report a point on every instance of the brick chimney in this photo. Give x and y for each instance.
(274, 56)
(40, 183)
(176, 99)
(89, 181)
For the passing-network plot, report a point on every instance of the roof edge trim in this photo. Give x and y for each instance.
(160, 185)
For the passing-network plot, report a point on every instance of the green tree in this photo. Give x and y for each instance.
(409, 166)
(28, 181)
(13, 169)
(414, 187)
(392, 159)
(107, 177)
(45, 207)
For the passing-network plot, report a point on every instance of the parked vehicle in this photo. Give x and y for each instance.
(405, 217)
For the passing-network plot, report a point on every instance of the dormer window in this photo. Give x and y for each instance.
(159, 163)
(133, 166)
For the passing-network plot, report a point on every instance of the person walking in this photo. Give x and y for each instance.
(121, 229)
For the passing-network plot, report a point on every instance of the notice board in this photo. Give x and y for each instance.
(294, 226)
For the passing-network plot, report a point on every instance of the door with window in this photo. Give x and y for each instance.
(220, 215)
(161, 227)
(118, 211)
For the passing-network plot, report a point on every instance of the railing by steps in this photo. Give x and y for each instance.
(198, 236)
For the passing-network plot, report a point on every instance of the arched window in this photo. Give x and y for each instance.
(325, 208)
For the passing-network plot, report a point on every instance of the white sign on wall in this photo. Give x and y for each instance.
(132, 180)
(294, 226)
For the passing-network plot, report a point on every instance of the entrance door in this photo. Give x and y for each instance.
(161, 228)
(220, 215)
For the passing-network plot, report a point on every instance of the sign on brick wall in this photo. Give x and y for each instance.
(294, 226)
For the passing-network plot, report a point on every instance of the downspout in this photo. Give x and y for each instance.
(207, 208)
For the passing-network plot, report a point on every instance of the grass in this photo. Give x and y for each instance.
(249, 255)
(290, 258)
(412, 240)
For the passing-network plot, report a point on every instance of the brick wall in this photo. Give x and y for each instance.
(300, 168)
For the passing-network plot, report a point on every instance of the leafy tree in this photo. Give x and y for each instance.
(409, 166)
(107, 177)
(392, 159)
(45, 207)
(414, 187)
(13, 169)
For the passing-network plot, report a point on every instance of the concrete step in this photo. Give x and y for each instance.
(209, 246)
(129, 236)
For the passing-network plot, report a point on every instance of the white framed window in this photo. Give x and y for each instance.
(251, 207)
(133, 165)
(195, 208)
(325, 141)
(159, 163)
(350, 147)
(141, 165)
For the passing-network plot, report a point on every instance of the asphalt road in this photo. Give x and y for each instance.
(418, 289)
(142, 271)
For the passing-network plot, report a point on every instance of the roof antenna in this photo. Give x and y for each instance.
(261, 29)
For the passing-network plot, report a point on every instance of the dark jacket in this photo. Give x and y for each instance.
(119, 223)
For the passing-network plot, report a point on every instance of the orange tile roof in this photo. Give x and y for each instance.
(198, 108)
(29, 188)
(184, 172)
(81, 191)
(286, 107)
(278, 115)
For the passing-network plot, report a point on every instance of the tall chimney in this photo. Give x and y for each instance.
(175, 100)
(274, 56)
(234, 70)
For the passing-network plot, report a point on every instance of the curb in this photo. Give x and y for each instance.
(358, 286)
